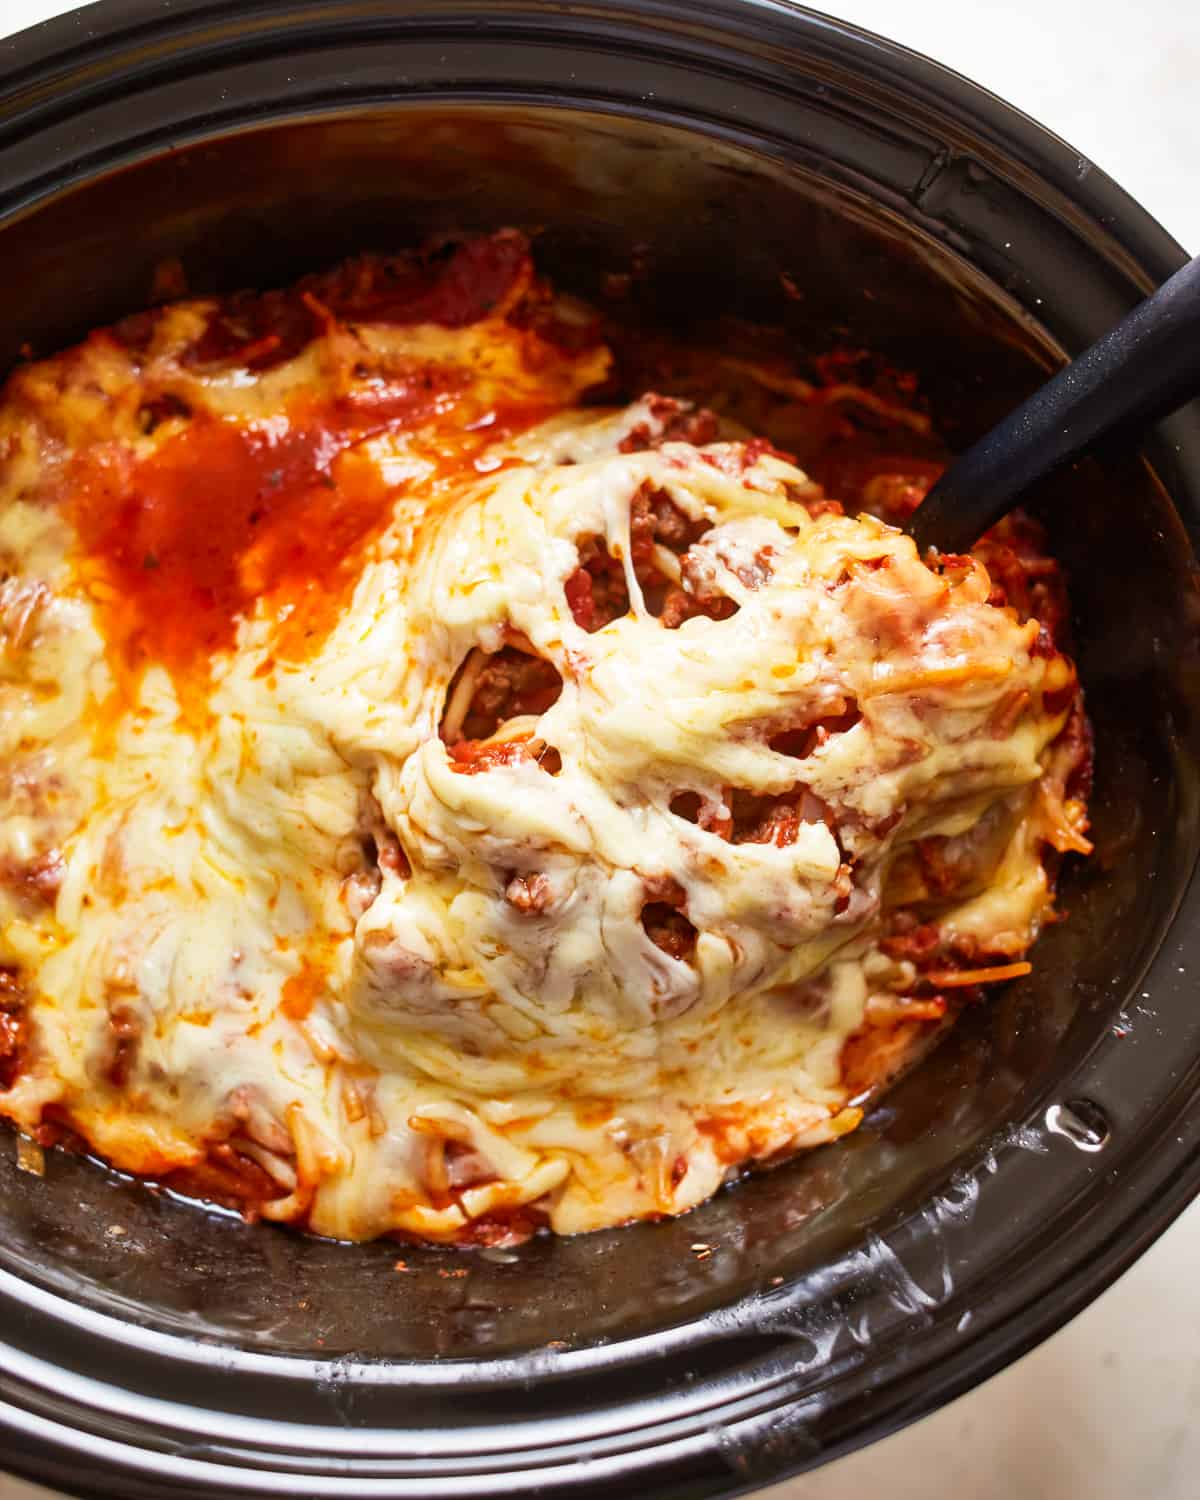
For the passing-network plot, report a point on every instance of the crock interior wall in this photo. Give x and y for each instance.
(715, 227)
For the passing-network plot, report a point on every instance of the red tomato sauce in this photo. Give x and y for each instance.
(220, 516)
(226, 514)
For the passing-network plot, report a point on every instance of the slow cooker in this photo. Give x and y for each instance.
(750, 157)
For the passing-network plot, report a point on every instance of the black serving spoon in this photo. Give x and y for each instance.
(1145, 367)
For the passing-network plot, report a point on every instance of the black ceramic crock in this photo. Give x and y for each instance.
(743, 156)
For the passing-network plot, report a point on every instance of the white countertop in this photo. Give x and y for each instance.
(1108, 1409)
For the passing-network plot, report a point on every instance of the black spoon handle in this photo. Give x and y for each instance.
(1144, 367)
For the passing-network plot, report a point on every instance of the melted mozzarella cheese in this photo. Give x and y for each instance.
(487, 1021)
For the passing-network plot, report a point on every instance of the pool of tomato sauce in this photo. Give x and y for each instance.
(225, 515)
